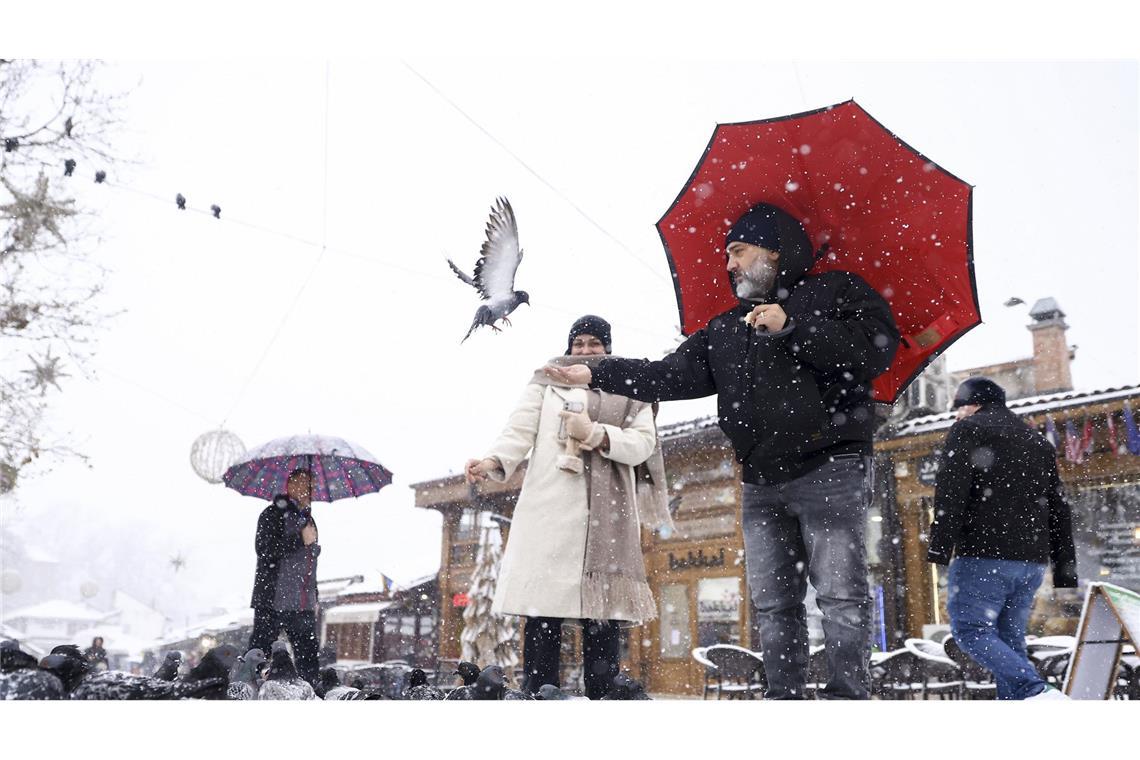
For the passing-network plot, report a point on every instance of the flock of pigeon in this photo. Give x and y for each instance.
(224, 674)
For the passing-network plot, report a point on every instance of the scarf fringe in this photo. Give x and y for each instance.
(616, 597)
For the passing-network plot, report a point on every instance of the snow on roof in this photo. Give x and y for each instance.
(1029, 405)
(364, 612)
(58, 609)
(678, 429)
(227, 621)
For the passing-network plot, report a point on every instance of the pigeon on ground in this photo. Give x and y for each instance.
(492, 685)
(246, 675)
(332, 690)
(22, 678)
(418, 687)
(215, 667)
(469, 672)
(495, 271)
(626, 688)
(83, 681)
(168, 670)
(550, 693)
(283, 681)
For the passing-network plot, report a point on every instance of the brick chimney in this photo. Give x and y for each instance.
(1051, 355)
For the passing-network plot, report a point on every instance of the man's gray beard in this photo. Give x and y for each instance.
(757, 280)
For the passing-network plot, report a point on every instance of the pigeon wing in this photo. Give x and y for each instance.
(461, 274)
(500, 255)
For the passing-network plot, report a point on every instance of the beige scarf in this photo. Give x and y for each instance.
(614, 579)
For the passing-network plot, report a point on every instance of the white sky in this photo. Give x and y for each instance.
(371, 351)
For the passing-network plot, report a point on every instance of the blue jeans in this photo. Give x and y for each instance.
(989, 602)
(813, 528)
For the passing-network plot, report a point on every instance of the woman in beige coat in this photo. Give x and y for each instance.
(574, 550)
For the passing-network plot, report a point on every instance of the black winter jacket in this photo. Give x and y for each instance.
(271, 544)
(786, 399)
(998, 496)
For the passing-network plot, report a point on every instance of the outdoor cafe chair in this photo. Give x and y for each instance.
(739, 671)
(978, 681)
(712, 680)
(940, 675)
(897, 675)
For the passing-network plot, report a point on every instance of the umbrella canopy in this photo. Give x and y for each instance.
(874, 205)
(340, 469)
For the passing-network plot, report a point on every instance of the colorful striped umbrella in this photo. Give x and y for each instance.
(340, 469)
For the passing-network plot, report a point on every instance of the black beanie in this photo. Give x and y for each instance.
(769, 227)
(978, 390)
(590, 325)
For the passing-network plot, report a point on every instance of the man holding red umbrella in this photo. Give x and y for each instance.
(791, 366)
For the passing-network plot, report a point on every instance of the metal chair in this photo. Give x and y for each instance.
(898, 675)
(712, 680)
(978, 681)
(739, 671)
(941, 676)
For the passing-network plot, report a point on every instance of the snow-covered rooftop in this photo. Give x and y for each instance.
(58, 609)
(1029, 405)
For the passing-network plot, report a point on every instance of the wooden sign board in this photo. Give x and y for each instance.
(1110, 617)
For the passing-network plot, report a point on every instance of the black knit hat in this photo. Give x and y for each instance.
(769, 227)
(590, 325)
(978, 390)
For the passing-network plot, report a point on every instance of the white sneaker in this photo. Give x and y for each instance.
(1049, 694)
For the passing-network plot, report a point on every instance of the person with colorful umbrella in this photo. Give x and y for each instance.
(293, 472)
(791, 365)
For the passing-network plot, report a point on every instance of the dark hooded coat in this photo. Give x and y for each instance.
(786, 400)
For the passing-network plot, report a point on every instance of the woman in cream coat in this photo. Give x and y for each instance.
(569, 557)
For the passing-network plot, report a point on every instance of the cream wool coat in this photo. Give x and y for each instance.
(542, 566)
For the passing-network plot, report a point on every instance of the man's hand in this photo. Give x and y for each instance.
(309, 534)
(769, 316)
(575, 374)
(476, 470)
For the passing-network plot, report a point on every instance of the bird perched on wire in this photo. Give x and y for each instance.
(168, 670)
(283, 681)
(216, 210)
(247, 675)
(495, 270)
(100, 177)
(22, 678)
(419, 688)
(469, 672)
(180, 201)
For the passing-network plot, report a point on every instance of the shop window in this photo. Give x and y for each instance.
(718, 611)
(676, 641)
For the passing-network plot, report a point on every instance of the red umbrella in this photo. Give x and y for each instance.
(874, 205)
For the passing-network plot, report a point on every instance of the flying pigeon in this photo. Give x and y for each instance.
(332, 690)
(22, 678)
(626, 688)
(83, 681)
(1014, 301)
(418, 687)
(246, 675)
(168, 670)
(283, 681)
(495, 271)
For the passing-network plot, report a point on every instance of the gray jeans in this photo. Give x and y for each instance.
(811, 528)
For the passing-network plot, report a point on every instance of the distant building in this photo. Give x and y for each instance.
(48, 624)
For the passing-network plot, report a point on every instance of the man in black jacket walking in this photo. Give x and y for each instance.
(999, 513)
(792, 367)
(285, 585)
